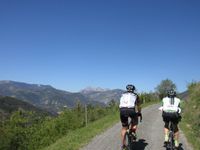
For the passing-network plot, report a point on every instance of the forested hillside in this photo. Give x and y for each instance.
(191, 115)
(103, 96)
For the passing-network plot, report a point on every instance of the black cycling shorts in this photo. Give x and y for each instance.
(125, 113)
(173, 117)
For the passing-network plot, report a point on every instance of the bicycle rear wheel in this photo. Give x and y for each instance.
(128, 141)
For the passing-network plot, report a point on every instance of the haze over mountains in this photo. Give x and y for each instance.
(46, 96)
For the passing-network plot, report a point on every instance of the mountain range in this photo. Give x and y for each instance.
(48, 97)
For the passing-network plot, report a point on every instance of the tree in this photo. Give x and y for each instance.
(148, 97)
(164, 86)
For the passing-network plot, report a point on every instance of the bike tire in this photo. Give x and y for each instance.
(128, 141)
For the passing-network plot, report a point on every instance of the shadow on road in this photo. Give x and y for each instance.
(139, 145)
(179, 147)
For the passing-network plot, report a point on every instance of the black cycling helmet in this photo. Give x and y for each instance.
(171, 93)
(130, 88)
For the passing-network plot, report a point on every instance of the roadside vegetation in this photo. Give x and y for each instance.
(26, 130)
(191, 115)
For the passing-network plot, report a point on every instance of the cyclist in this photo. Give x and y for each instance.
(171, 112)
(129, 105)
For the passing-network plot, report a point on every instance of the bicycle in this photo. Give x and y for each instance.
(130, 136)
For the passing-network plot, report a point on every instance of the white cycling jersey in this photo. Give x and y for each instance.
(171, 104)
(128, 100)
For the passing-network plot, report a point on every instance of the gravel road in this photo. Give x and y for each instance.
(150, 134)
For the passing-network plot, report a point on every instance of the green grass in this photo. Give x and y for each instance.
(80, 137)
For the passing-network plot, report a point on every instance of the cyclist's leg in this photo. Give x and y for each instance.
(166, 120)
(176, 132)
(124, 121)
(166, 131)
(134, 123)
(123, 132)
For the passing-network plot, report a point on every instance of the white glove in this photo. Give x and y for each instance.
(160, 108)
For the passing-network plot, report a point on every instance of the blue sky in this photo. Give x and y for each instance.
(102, 43)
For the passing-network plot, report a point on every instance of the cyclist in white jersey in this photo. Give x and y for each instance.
(129, 101)
(171, 112)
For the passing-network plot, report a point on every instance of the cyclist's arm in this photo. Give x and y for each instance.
(138, 104)
(179, 105)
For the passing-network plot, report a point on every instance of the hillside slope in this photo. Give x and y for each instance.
(103, 96)
(8, 105)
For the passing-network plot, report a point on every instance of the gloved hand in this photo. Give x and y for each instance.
(180, 117)
(179, 110)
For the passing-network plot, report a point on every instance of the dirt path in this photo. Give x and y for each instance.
(150, 134)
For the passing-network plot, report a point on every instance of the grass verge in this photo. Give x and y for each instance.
(187, 130)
